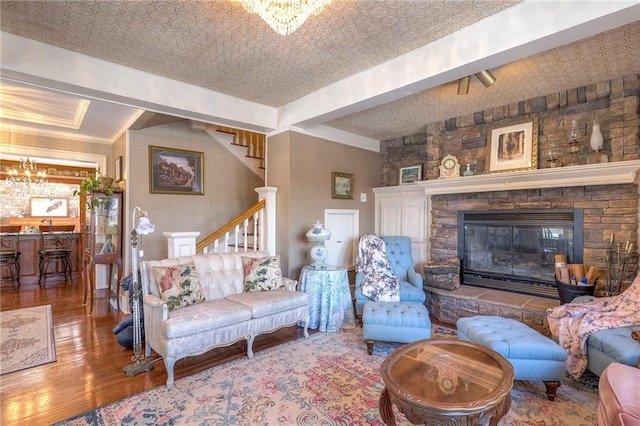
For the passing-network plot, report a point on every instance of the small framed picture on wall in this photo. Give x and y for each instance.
(342, 185)
(118, 169)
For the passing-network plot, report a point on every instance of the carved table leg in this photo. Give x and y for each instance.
(386, 409)
(552, 387)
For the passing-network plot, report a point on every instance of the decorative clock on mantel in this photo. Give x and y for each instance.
(449, 167)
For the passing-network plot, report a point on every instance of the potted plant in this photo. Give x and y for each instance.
(95, 183)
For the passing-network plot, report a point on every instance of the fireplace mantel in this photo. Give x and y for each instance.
(587, 175)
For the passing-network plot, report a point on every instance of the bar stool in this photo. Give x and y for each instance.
(56, 246)
(10, 251)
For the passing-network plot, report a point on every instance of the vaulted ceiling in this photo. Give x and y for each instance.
(357, 72)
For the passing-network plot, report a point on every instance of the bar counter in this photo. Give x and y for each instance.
(29, 244)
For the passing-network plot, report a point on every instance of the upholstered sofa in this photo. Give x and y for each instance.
(398, 251)
(225, 313)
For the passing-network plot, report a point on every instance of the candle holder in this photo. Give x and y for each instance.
(575, 147)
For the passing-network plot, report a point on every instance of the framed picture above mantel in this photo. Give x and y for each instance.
(513, 146)
(410, 174)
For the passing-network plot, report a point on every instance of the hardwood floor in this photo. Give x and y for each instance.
(88, 371)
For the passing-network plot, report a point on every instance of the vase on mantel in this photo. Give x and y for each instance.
(597, 142)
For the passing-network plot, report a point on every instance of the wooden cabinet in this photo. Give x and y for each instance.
(102, 219)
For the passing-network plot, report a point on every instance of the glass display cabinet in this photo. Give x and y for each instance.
(102, 219)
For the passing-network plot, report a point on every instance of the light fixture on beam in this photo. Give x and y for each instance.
(284, 16)
(486, 78)
(463, 85)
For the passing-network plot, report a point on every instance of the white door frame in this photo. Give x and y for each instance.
(355, 229)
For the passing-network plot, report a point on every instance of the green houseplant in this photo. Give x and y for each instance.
(95, 183)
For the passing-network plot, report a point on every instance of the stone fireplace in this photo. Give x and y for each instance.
(514, 250)
(606, 194)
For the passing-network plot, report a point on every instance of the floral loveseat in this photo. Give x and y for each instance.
(195, 303)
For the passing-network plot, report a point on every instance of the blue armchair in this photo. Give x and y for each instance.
(398, 251)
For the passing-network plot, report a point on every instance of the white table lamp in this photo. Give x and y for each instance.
(318, 252)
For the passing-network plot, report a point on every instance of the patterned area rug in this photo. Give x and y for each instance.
(26, 338)
(327, 379)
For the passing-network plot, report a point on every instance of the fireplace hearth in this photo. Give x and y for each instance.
(513, 250)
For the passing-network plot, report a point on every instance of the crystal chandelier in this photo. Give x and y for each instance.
(284, 16)
(27, 167)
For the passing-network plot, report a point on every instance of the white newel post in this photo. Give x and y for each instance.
(267, 232)
(181, 243)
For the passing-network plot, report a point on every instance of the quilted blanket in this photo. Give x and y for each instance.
(379, 283)
(572, 324)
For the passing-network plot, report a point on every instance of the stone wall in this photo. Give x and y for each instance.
(614, 104)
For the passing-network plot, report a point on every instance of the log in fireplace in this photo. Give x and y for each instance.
(513, 250)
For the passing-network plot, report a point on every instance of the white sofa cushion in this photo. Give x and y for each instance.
(205, 316)
(266, 303)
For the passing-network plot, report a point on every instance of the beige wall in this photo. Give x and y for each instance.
(300, 167)
(229, 186)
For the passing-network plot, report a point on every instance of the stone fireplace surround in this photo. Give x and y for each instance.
(607, 192)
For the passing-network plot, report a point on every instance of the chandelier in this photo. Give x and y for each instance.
(284, 16)
(28, 173)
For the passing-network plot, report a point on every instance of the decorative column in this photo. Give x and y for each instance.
(181, 243)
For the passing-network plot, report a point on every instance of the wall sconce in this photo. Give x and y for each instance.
(141, 226)
(318, 252)
(484, 76)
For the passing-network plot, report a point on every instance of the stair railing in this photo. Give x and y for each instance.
(235, 235)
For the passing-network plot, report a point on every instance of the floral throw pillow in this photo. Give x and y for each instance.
(179, 285)
(262, 274)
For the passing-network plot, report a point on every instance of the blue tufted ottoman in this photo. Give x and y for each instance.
(403, 322)
(533, 356)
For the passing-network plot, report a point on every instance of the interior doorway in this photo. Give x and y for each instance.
(345, 233)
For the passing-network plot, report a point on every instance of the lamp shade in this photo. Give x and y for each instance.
(318, 233)
(142, 225)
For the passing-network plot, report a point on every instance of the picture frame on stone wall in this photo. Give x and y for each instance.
(513, 146)
(410, 174)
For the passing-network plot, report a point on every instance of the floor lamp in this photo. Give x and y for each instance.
(141, 226)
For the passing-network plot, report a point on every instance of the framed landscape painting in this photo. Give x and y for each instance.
(175, 171)
(342, 185)
(410, 174)
(513, 147)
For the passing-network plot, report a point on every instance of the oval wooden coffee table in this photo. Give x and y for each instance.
(438, 382)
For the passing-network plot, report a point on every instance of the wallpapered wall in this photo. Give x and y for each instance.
(229, 186)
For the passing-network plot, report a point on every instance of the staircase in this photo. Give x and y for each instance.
(247, 146)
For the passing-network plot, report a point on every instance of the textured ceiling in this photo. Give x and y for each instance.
(219, 46)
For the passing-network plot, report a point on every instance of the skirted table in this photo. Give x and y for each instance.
(330, 305)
